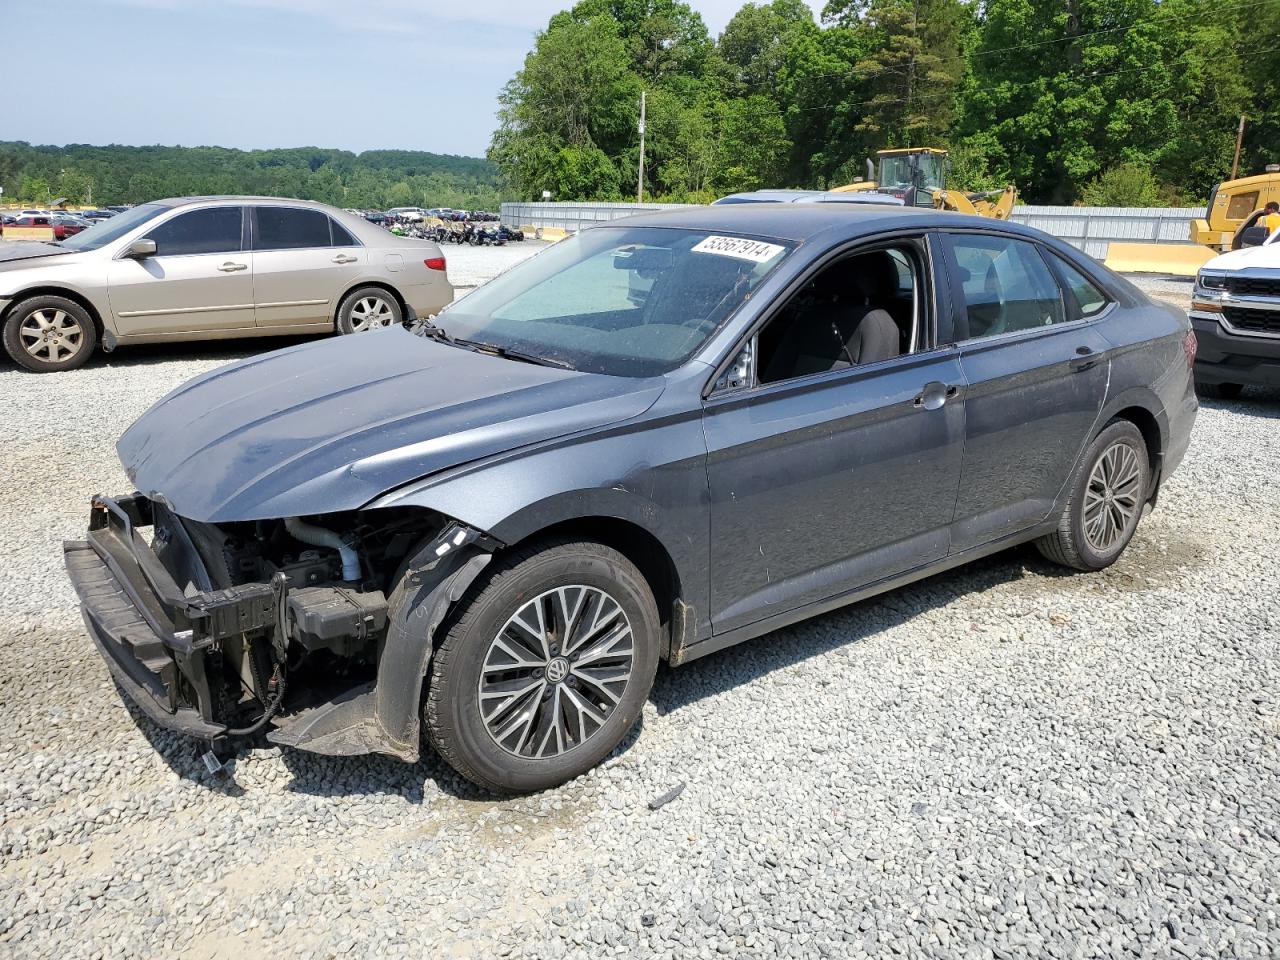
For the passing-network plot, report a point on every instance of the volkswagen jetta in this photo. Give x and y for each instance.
(660, 437)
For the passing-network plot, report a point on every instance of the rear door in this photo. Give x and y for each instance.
(200, 278)
(1037, 376)
(303, 261)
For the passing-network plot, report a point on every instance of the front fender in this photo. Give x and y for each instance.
(651, 475)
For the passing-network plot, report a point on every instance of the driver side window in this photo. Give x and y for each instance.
(860, 309)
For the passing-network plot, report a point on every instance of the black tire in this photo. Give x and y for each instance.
(74, 328)
(1219, 391)
(1070, 545)
(359, 301)
(452, 707)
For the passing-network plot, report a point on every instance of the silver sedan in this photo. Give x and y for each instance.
(203, 268)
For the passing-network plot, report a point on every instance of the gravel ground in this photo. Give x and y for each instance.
(1002, 761)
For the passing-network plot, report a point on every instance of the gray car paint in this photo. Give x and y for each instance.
(772, 504)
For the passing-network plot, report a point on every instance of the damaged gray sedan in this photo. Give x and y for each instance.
(658, 438)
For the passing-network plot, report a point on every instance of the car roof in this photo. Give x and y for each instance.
(800, 221)
(185, 201)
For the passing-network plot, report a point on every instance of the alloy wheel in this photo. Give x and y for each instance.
(370, 313)
(556, 670)
(51, 335)
(1112, 499)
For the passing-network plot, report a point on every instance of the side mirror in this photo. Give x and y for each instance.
(1250, 237)
(141, 249)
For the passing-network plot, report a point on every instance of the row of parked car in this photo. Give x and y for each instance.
(64, 223)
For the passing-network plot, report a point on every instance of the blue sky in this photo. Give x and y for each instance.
(352, 74)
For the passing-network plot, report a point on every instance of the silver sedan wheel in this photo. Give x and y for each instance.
(370, 313)
(555, 671)
(1112, 499)
(51, 335)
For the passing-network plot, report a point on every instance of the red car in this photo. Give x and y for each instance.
(63, 227)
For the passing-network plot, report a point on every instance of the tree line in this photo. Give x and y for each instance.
(1126, 102)
(375, 179)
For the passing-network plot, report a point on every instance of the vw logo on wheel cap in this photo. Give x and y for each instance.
(557, 669)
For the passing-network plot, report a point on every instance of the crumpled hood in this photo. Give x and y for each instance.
(1267, 256)
(330, 425)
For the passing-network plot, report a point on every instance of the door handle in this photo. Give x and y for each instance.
(934, 395)
(343, 258)
(230, 267)
(1088, 361)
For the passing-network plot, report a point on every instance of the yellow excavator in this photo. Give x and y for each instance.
(917, 176)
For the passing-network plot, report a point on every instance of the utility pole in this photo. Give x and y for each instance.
(640, 178)
(1235, 164)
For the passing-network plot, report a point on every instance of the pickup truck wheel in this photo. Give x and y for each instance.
(545, 667)
(45, 334)
(368, 308)
(1219, 391)
(1108, 493)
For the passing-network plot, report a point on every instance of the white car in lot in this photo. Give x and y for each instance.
(1235, 310)
(200, 268)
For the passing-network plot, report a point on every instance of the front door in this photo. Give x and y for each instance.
(200, 277)
(1037, 373)
(303, 261)
(846, 473)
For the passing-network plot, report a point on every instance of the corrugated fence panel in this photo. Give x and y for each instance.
(1090, 229)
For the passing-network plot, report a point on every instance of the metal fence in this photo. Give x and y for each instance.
(1090, 229)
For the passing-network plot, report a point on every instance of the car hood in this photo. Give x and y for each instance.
(1267, 257)
(331, 425)
(21, 253)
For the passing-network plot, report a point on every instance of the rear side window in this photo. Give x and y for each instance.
(291, 228)
(341, 236)
(1006, 284)
(212, 230)
(1084, 299)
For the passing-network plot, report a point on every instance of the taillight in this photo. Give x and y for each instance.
(1189, 347)
(434, 263)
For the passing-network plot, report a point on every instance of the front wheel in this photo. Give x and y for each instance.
(46, 334)
(368, 308)
(545, 667)
(1108, 493)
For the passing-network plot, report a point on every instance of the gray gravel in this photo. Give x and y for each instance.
(1002, 761)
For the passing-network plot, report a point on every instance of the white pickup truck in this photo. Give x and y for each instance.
(1235, 310)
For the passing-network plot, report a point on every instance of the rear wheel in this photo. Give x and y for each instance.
(1219, 391)
(368, 308)
(1108, 493)
(46, 334)
(545, 668)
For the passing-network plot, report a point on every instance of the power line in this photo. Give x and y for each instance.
(1065, 38)
(1086, 75)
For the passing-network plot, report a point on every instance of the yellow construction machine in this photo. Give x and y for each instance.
(1231, 203)
(918, 177)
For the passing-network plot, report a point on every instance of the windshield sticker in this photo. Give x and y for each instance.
(740, 249)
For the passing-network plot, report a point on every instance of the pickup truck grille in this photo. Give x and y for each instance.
(1254, 286)
(1253, 321)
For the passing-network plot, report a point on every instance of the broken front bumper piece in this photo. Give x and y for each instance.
(159, 640)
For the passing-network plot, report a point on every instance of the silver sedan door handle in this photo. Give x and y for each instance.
(230, 267)
(343, 258)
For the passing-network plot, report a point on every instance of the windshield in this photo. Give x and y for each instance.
(106, 231)
(624, 301)
(897, 171)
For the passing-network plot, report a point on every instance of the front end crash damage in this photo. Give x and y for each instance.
(319, 628)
